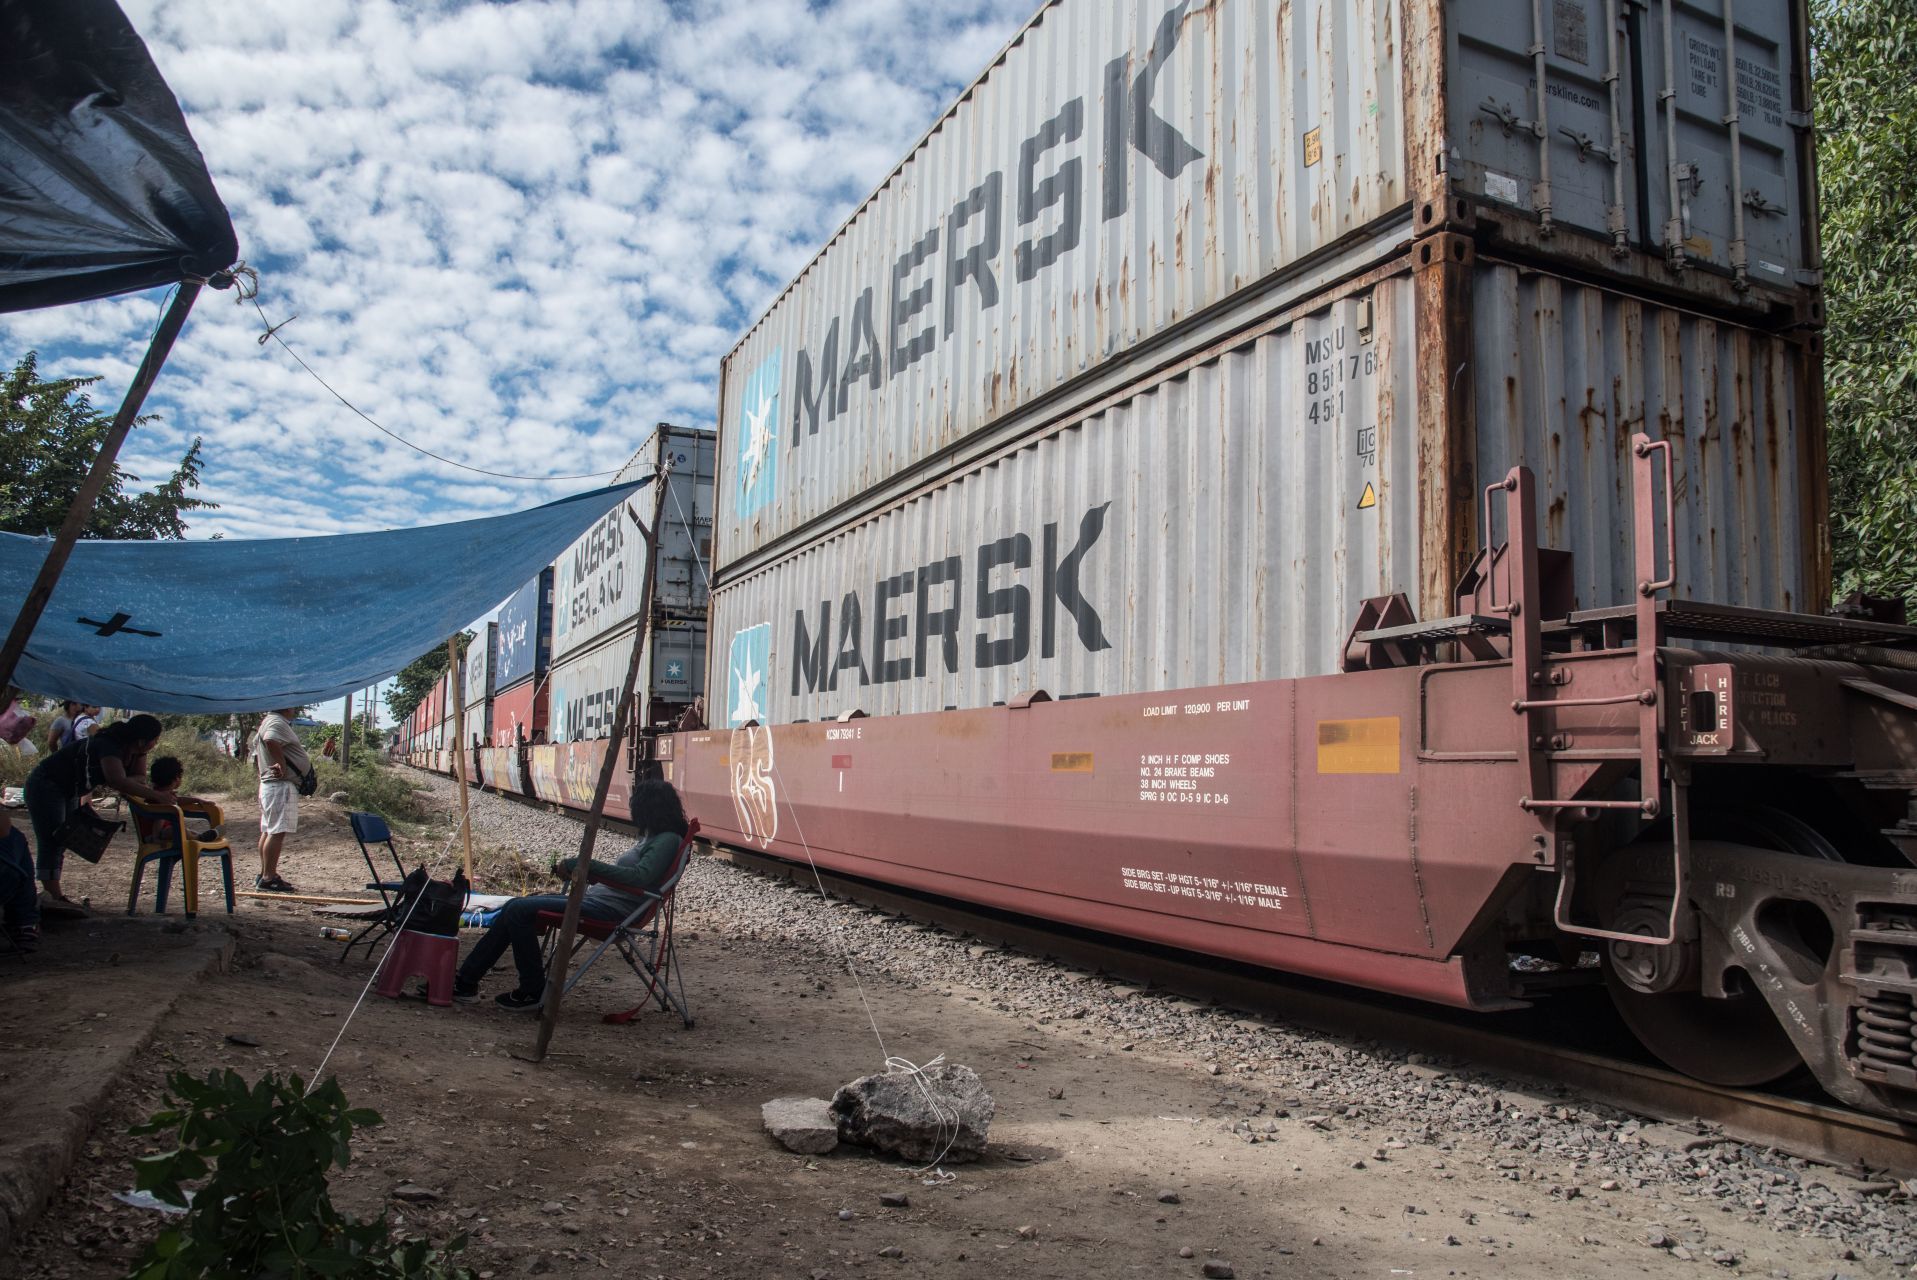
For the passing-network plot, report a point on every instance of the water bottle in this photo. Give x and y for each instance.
(335, 933)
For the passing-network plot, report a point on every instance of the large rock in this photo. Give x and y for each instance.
(896, 1113)
(804, 1125)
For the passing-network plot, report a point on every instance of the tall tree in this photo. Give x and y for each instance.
(49, 435)
(1865, 64)
(418, 677)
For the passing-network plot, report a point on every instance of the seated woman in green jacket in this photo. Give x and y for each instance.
(622, 888)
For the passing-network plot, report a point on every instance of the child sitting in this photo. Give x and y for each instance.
(165, 775)
(19, 899)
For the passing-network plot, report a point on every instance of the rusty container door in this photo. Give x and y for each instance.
(1566, 372)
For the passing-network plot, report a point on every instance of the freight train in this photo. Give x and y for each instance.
(1340, 485)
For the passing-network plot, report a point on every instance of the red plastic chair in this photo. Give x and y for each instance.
(643, 938)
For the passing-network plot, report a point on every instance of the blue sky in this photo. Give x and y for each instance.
(517, 233)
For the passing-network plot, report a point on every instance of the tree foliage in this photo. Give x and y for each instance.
(1865, 63)
(49, 435)
(417, 679)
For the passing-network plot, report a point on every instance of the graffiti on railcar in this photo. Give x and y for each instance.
(755, 795)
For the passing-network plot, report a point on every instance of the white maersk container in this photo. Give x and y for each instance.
(597, 581)
(1222, 520)
(1189, 327)
(1133, 178)
(597, 584)
(586, 683)
(476, 685)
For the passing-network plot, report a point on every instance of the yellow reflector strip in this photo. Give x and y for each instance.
(1071, 762)
(1358, 746)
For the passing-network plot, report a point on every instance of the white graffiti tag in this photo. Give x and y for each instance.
(755, 797)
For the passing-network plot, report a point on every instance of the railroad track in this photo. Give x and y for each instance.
(1861, 1144)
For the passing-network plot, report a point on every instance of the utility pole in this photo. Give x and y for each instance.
(345, 730)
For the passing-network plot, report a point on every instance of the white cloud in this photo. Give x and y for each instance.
(517, 234)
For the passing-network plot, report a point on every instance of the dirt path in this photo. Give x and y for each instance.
(637, 1150)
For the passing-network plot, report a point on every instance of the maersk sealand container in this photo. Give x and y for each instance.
(1189, 327)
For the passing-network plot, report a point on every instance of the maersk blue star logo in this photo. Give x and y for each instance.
(747, 675)
(758, 431)
(675, 670)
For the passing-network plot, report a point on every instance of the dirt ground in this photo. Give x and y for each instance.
(637, 1150)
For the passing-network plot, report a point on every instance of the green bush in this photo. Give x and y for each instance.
(209, 771)
(371, 787)
(264, 1208)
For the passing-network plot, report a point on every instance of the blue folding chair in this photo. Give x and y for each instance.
(370, 829)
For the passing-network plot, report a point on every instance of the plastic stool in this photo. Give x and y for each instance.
(419, 953)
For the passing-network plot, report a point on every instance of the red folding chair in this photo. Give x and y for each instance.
(643, 938)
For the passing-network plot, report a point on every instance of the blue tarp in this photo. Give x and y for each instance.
(280, 622)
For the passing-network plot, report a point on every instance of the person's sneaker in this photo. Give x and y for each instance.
(520, 1001)
(462, 994)
(26, 936)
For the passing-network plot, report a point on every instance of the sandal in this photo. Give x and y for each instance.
(274, 885)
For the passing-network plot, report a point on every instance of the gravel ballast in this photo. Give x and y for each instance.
(1396, 1103)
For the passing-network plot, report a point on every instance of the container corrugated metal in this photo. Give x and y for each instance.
(524, 638)
(1128, 167)
(598, 580)
(1222, 523)
(685, 535)
(519, 714)
(477, 664)
(586, 684)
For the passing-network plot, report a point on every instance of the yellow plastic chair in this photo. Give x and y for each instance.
(177, 846)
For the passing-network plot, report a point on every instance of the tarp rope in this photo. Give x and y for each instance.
(248, 291)
(429, 867)
(946, 1116)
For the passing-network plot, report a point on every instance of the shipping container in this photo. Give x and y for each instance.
(1223, 521)
(477, 664)
(598, 580)
(586, 684)
(1127, 168)
(519, 714)
(523, 640)
(477, 681)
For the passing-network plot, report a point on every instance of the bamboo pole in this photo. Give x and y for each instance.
(621, 718)
(89, 492)
(456, 689)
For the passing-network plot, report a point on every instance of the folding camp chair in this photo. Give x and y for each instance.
(643, 938)
(370, 829)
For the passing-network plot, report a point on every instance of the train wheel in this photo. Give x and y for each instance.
(1736, 1041)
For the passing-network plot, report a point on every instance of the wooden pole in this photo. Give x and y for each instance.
(89, 492)
(457, 689)
(345, 730)
(621, 718)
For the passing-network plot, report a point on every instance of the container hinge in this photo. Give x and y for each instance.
(1809, 276)
(1798, 119)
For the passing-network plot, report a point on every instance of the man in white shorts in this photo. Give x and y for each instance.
(280, 758)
